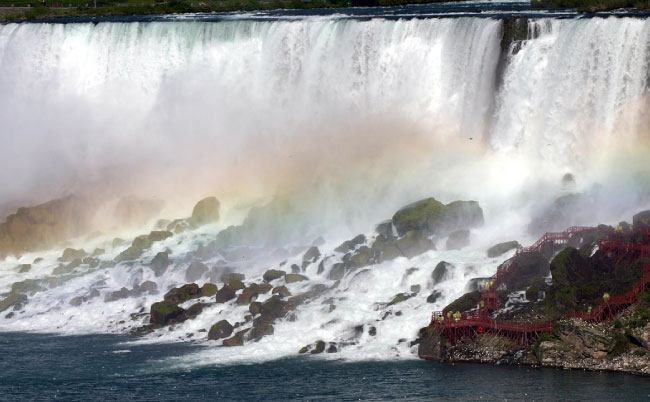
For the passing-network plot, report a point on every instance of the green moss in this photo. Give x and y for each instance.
(621, 344)
(466, 302)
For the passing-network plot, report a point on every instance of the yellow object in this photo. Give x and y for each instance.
(606, 296)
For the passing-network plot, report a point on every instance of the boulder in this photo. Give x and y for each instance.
(160, 263)
(91, 262)
(440, 272)
(226, 277)
(414, 243)
(251, 292)
(194, 310)
(466, 302)
(312, 254)
(12, 299)
(435, 218)
(164, 313)
(220, 330)
(236, 340)
(255, 308)
(273, 309)
(458, 239)
(502, 248)
(23, 268)
(66, 269)
(281, 291)
(478, 283)
(225, 294)
(292, 278)
(205, 211)
(129, 254)
(70, 254)
(525, 269)
(319, 347)
(385, 228)
(273, 274)
(260, 331)
(123, 293)
(434, 296)
(183, 294)
(641, 220)
(208, 290)
(295, 269)
(415, 288)
(337, 272)
(360, 258)
(195, 271)
(400, 297)
(350, 245)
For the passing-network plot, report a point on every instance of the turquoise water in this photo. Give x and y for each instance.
(103, 367)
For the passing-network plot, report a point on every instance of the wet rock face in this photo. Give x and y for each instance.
(502, 248)
(70, 254)
(183, 294)
(195, 271)
(458, 239)
(437, 218)
(350, 245)
(165, 313)
(251, 292)
(526, 268)
(225, 294)
(236, 340)
(311, 255)
(440, 272)
(273, 274)
(221, 329)
(641, 220)
(160, 263)
(205, 211)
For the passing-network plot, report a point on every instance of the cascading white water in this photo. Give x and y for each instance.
(352, 118)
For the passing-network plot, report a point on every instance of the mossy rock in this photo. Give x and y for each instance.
(641, 220)
(131, 253)
(361, 258)
(164, 313)
(226, 277)
(205, 211)
(414, 243)
(385, 228)
(251, 292)
(293, 278)
(436, 218)
(457, 240)
(220, 330)
(12, 299)
(142, 242)
(337, 272)
(183, 294)
(281, 291)
(236, 340)
(502, 248)
(255, 308)
(23, 268)
(525, 269)
(70, 254)
(304, 350)
(466, 302)
(273, 309)
(434, 296)
(236, 284)
(208, 290)
(273, 274)
(319, 347)
(91, 262)
(195, 271)
(260, 331)
(312, 254)
(26, 286)
(350, 245)
(194, 310)
(160, 263)
(400, 297)
(159, 235)
(440, 272)
(225, 294)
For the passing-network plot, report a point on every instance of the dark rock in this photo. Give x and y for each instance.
(312, 293)
(24, 268)
(440, 272)
(458, 239)
(319, 347)
(273, 274)
(361, 258)
(433, 297)
(66, 269)
(123, 293)
(160, 263)
(385, 228)
(236, 340)
(208, 290)
(400, 297)
(226, 277)
(129, 254)
(466, 302)
(350, 245)
(478, 284)
(281, 291)
(12, 299)
(193, 311)
(205, 211)
(295, 269)
(183, 294)
(332, 348)
(436, 218)
(260, 331)
(337, 272)
(372, 331)
(251, 292)
(641, 220)
(91, 262)
(292, 278)
(525, 269)
(220, 330)
(70, 254)
(195, 271)
(312, 254)
(165, 313)
(502, 248)
(415, 288)
(225, 294)
(273, 309)
(255, 308)
(411, 244)
(159, 235)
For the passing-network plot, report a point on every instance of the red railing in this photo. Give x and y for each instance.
(458, 325)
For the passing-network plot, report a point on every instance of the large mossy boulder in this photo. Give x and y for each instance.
(350, 245)
(220, 330)
(165, 313)
(466, 302)
(293, 278)
(457, 239)
(641, 220)
(414, 242)
(526, 268)
(273, 309)
(205, 211)
(195, 271)
(273, 274)
(437, 218)
(337, 272)
(281, 291)
(360, 258)
(183, 294)
(159, 263)
(400, 297)
(226, 293)
(311, 255)
(70, 254)
(260, 331)
(208, 290)
(502, 248)
(12, 299)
